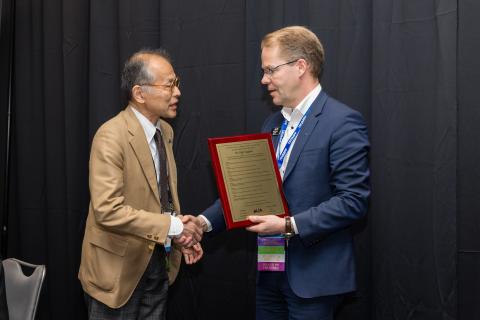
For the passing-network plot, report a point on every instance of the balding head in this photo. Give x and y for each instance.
(136, 70)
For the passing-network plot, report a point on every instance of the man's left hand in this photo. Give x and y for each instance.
(193, 254)
(267, 225)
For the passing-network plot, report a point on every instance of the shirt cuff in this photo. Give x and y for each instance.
(209, 225)
(176, 227)
(294, 225)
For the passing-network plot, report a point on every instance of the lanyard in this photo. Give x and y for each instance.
(281, 156)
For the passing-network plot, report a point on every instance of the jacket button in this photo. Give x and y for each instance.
(149, 236)
(151, 247)
(156, 237)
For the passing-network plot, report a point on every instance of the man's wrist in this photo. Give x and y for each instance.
(288, 227)
(204, 223)
(176, 227)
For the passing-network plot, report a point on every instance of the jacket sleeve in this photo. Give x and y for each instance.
(214, 214)
(349, 182)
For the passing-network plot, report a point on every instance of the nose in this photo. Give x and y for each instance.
(176, 91)
(265, 79)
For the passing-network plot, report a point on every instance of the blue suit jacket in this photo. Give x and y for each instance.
(326, 184)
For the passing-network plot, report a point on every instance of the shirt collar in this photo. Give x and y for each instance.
(304, 105)
(147, 126)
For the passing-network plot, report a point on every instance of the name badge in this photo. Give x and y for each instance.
(275, 131)
(271, 253)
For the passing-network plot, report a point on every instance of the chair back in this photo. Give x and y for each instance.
(23, 291)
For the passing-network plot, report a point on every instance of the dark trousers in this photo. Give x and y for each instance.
(276, 301)
(148, 300)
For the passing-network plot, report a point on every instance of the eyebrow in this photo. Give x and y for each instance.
(169, 80)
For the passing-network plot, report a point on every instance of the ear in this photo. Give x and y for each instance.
(137, 94)
(302, 66)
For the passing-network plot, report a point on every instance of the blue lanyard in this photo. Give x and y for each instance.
(281, 156)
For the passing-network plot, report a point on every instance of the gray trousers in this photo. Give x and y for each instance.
(149, 299)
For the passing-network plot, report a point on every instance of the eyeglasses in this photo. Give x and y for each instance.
(269, 71)
(175, 83)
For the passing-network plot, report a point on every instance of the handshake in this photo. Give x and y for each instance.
(189, 239)
(194, 227)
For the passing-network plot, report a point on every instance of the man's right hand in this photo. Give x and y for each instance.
(193, 228)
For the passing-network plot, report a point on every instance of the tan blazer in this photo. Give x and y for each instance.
(124, 221)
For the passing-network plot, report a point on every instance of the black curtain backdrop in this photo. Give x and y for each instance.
(409, 66)
(6, 55)
(468, 157)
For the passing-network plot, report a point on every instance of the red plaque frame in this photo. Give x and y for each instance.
(212, 142)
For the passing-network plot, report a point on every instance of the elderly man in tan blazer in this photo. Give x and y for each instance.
(125, 269)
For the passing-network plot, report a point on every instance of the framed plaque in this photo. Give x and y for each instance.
(247, 176)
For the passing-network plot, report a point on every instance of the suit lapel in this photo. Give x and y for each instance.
(278, 124)
(139, 144)
(275, 141)
(307, 129)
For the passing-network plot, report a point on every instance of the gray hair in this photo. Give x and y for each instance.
(135, 71)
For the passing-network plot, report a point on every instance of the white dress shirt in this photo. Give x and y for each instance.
(293, 117)
(176, 225)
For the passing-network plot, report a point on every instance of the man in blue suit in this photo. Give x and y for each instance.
(322, 151)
